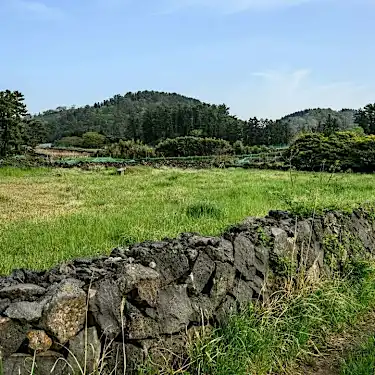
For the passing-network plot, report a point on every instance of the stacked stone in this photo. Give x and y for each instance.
(146, 301)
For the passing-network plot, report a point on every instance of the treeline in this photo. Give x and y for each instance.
(339, 151)
(178, 147)
(152, 117)
(18, 130)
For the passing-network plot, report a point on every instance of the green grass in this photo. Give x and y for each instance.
(361, 361)
(270, 339)
(50, 215)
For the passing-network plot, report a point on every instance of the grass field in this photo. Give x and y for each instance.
(50, 215)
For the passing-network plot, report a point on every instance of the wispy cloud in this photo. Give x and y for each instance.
(35, 8)
(276, 93)
(231, 6)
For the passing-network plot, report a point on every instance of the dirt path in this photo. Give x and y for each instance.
(329, 362)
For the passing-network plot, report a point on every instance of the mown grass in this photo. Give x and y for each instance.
(50, 215)
(361, 361)
(272, 338)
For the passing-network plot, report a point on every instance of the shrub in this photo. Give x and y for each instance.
(239, 148)
(70, 142)
(129, 149)
(93, 140)
(193, 146)
(341, 150)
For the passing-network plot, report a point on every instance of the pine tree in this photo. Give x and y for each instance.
(12, 112)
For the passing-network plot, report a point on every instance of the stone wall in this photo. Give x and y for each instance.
(144, 301)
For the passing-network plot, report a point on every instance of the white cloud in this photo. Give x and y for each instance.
(276, 93)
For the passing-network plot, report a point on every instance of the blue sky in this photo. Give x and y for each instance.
(262, 58)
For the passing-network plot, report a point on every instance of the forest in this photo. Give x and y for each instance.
(151, 117)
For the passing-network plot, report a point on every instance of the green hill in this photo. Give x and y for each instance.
(152, 116)
(309, 119)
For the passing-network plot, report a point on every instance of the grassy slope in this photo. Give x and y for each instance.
(294, 326)
(50, 215)
(361, 361)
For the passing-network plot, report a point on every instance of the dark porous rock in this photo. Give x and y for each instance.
(12, 335)
(115, 363)
(279, 215)
(169, 259)
(203, 309)
(259, 286)
(226, 309)
(242, 292)
(244, 257)
(143, 279)
(199, 241)
(24, 291)
(201, 273)
(168, 352)
(45, 363)
(106, 305)
(25, 311)
(18, 276)
(281, 243)
(223, 282)
(223, 252)
(85, 351)
(4, 304)
(65, 312)
(139, 326)
(174, 309)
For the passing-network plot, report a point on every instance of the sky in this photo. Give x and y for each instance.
(263, 58)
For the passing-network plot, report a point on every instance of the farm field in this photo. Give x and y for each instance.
(51, 215)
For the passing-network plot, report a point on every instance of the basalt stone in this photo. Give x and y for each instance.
(226, 309)
(203, 309)
(45, 364)
(85, 351)
(223, 282)
(244, 257)
(65, 312)
(174, 309)
(145, 280)
(4, 304)
(12, 335)
(25, 311)
(169, 258)
(115, 363)
(200, 274)
(223, 252)
(139, 326)
(22, 291)
(105, 305)
(242, 292)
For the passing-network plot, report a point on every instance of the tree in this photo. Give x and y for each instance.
(331, 125)
(35, 132)
(93, 140)
(12, 112)
(365, 118)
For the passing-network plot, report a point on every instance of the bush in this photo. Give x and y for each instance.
(93, 140)
(339, 151)
(193, 146)
(70, 142)
(129, 149)
(256, 149)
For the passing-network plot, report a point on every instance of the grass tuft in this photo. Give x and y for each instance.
(204, 209)
(361, 361)
(271, 338)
